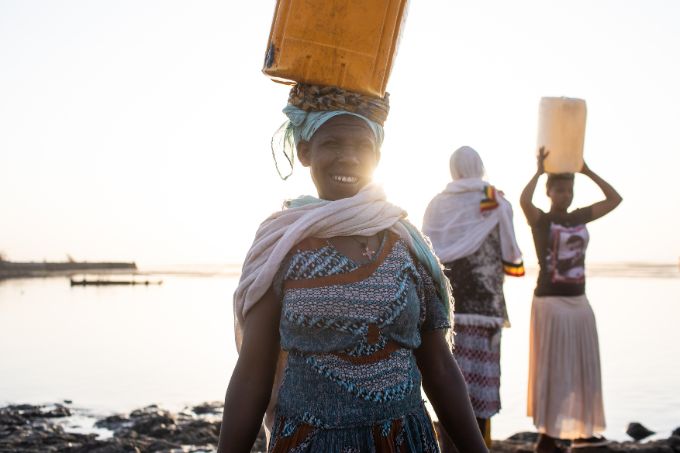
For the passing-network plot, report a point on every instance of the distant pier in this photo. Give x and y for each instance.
(12, 269)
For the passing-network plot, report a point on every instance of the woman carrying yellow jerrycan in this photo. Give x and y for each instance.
(345, 295)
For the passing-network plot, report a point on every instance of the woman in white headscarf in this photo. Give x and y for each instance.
(470, 226)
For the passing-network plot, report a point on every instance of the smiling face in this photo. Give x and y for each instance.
(342, 155)
(561, 194)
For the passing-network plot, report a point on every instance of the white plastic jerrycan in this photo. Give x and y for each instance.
(562, 130)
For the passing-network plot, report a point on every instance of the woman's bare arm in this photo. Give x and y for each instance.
(612, 197)
(251, 382)
(446, 389)
(531, 212)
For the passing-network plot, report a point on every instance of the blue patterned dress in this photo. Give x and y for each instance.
(351, 383)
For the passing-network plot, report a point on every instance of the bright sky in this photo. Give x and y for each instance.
(140, 130)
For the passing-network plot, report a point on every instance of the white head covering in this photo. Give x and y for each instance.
(454, 220)
(465, 163)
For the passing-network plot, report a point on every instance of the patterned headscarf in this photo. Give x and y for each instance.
(310, 106)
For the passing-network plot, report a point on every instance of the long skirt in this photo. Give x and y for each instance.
(565, 386)
(478, 353)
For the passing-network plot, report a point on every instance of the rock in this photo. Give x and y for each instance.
(674, 442)
(637, 431)
(524, 437)
(523, 442)
(676, 431)
(29, 429)
(214, 407)
(199, 432)
(57, 411)
(37, 429)
(32, 430)
(161, 445)
(113, 422)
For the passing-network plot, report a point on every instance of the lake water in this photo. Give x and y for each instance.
(118, 348)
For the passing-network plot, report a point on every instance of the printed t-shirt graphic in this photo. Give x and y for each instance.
(566, 257)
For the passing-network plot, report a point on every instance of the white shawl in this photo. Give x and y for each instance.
(365, 214)
(457, 227)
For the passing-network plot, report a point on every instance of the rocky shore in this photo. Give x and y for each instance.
(50, 428)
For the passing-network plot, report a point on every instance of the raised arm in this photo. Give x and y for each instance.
(251, 382)
(531, 212)
(612, 197)
(446, 389)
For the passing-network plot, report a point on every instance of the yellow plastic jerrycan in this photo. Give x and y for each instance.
(344, 43)
(562, 130)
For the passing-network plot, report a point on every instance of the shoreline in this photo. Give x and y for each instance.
(46, 269)
(61, 428)
(34, 269)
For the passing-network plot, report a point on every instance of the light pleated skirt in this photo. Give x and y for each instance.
(565, 385)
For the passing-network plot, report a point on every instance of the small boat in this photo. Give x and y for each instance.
(111, 282)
